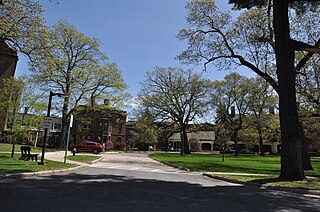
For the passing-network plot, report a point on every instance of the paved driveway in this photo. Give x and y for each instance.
(133, 182)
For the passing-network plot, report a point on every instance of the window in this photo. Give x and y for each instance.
(120, 128)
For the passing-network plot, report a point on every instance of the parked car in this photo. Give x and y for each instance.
(88, 146)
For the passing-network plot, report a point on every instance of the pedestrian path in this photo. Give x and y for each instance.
(59, 157)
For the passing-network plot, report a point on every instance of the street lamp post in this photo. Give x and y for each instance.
(46, 129)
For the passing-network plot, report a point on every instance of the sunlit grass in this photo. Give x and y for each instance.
(13, 165)
(251, 164)
(83, 158)
(4, 147)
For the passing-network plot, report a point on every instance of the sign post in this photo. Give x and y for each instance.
(67, 144)
(47, 122)
(47, 125)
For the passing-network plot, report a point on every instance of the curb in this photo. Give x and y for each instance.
(95, 161)
(172, 165)
(261, 186)
(45, 173)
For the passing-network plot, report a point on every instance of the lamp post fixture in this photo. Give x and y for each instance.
(46, 129)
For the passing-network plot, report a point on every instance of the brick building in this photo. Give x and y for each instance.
(8, 63)
(101, 124)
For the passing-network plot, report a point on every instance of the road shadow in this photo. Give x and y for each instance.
(79, 192)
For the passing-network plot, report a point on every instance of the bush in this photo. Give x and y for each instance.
(120, 145)
(244, 151)
(8, 137)
(142, 146)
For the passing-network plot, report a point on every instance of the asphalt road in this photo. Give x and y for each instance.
(133, 182)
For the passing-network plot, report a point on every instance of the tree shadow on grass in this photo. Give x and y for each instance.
(278, 181)
(85, 192)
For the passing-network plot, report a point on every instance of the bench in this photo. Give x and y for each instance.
(26, 155)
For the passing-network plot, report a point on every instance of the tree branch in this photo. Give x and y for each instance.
(306, 58)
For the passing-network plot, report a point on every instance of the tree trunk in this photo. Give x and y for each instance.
(223, 151)
(13, 147)
(291, 158)
(182, 153)
(261, 142)
(64, 124)
(306, 162)
(186, 143)
(234, 138)
(184, 140)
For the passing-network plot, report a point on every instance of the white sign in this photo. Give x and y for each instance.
(47, 123)
(71, 120)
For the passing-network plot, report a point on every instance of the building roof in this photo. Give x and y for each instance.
(201, 135)
(5, 49)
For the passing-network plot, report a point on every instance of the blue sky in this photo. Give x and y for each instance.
(136, 34)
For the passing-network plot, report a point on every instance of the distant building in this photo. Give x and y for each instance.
(201, 140)
(101, 124)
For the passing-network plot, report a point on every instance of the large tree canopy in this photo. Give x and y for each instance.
(177, 95)
(75, 66)
(22, 25)
(231, 94)
(21, 108)
(259, 40)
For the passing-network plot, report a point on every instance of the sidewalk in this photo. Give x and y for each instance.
(59, 157)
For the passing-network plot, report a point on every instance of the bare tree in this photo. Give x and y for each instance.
(177, 95)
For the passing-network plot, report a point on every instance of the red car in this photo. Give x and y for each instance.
(88, 146)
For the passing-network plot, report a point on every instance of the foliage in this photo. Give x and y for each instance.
(308, 75)
(248, 4)
(312, 132)
(249, 134)
(215, 38)
(270, 130)
(222, 136)
(21, 108)
(22, 25)
(261, 102)
(164, 131)
(263, 44)
(75, 66)
(300, 5)
(223, 116)
(230, 98)
(145, 131)
(177, 95)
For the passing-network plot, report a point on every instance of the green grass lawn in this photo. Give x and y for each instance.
(251, 164)
(4, 147)
(83, 158)
(10, 165)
